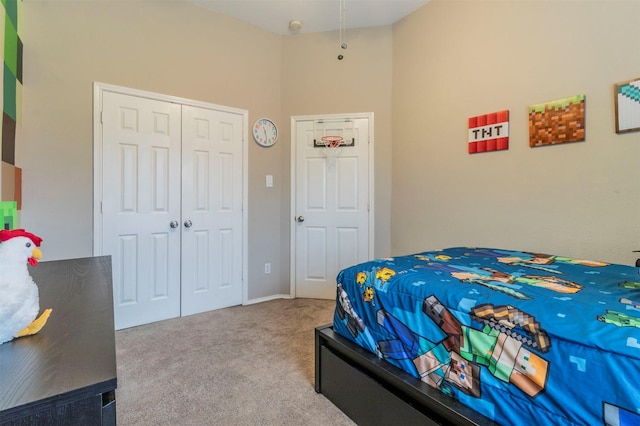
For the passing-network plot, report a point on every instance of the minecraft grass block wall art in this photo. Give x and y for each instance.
(556, 122)
(489, 132)
(627, 100)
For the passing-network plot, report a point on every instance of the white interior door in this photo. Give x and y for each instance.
(332, 202)
(170, 191)
(141, 197)
(212, 207)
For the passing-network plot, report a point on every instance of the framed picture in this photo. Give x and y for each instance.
(556, 122)
(627, 100)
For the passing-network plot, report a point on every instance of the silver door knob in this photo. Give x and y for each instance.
(187, 223)
(300, 219)
(174, 224)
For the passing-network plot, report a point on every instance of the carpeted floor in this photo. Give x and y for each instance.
(245, 365)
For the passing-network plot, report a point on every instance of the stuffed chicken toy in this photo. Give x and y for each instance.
(19, 301)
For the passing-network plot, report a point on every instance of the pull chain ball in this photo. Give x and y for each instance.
(344, 46)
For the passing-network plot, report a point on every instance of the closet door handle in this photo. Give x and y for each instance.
(300, 219)
(174, 224)
(187, 223)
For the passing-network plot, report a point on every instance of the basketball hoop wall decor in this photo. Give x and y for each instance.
(331, 141)
(265, 132)
(333, 136)
(331, 145)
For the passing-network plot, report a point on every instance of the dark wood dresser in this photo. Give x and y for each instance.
(65, 374)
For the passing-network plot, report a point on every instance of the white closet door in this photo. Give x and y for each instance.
(212, 145)
(141, 197)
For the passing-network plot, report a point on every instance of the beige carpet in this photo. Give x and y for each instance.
(246, 365)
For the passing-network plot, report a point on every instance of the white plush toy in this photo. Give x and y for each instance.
(19, 301)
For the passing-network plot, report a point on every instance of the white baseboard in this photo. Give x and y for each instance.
(267, 298)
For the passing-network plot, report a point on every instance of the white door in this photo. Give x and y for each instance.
(141, 197)
(332, 202)
(212, 207)
(172, 188)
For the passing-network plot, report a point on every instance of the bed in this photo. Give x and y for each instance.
(470, 335)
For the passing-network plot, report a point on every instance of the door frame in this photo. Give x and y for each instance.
(294, 153)
(98, 90)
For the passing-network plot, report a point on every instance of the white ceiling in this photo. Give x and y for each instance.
(315, 15)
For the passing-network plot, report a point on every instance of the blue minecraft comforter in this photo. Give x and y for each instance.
(522, 338)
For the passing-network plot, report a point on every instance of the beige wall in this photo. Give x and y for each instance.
(179, 49)
(422, 78)
(167, 47)
(316, 82)
(458, 59)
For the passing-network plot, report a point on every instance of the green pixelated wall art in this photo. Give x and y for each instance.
(11, 103)
(11, 77)
(8, 213)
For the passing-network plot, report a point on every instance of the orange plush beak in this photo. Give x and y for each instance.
(36, 255)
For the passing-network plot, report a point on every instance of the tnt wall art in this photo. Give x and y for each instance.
(556, 122)
(489, 132)
(627, 100)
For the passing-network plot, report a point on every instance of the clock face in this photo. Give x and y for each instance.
(265, 132)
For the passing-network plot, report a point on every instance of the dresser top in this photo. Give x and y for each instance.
(73, 356)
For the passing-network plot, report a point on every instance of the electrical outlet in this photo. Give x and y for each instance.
(267, 268)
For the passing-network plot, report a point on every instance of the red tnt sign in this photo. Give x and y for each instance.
(489, 132)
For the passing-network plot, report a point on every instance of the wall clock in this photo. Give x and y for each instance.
(265, 132)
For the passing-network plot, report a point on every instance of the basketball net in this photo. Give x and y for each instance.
(332, 146)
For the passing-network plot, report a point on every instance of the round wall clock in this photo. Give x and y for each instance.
(265, 132)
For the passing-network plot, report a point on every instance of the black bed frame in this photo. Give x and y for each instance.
(373, 392)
